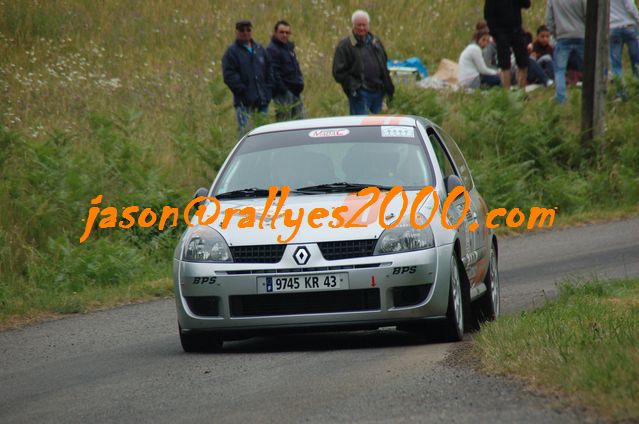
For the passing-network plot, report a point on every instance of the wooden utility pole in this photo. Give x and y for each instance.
(595, 62)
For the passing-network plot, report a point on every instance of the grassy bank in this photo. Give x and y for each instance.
(127, 100)
(584, 344)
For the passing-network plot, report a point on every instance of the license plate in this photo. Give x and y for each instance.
(302, 283)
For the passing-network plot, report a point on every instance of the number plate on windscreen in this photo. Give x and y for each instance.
(302, 283)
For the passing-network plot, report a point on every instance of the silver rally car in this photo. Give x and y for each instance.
(287, 260)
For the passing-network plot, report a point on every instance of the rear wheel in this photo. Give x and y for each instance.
(488, 306)
(200, 342)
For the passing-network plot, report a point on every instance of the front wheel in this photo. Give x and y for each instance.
(453, 326)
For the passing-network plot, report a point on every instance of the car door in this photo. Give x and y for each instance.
(478, 237)
(447, 168)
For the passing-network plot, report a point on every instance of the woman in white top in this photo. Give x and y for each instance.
(473, 71)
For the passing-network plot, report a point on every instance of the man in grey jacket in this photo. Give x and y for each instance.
(566, 20)
(624, 19)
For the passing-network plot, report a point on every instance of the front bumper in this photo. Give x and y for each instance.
(388, 272)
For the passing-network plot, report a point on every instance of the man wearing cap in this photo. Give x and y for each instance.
(288, 79)
(247, 72)
(359, 66)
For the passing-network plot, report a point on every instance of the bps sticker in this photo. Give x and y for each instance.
(406, 132)
(332, 132)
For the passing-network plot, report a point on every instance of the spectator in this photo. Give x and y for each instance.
(504, 20)
(287, 76)
(247, 72)
(473, 71)
(490, 51)
(542, 51)
(566, 20)
(359, 65)
(534, 75)
(624, 18)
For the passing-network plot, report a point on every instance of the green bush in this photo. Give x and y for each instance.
(66, 266)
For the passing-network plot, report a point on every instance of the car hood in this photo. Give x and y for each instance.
(253, 235)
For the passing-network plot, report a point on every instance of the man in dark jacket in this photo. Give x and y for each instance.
(359, 65)
(287, 76)
(504, 22)
(247, 72)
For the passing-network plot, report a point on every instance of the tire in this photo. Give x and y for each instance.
(200, 342)
(487, 308)
(453, 327)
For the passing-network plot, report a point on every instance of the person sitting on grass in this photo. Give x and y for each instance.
(542, 51)
(536, 74)
(473, 72)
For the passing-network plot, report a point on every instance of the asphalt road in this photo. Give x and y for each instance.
(126, 364)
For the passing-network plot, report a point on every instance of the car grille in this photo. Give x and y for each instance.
(331, 250)
(264, 254)
(304, 303)
(334, 250)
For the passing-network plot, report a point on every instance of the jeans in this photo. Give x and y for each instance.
(563, 50)
(546, 63)
(243, 113)
(489, 81)
(288, 106)
(628, 35)
(536, 74)
(364, 101)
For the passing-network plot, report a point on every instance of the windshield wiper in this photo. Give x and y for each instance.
(245, 192)
(250, 192)
(341, 187)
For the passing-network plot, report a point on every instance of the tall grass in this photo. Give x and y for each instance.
(585, 344)
(126, 99)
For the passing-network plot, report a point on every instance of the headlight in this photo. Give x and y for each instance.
(404, 238)
(204, 244)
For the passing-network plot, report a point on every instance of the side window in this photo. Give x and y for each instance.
(458, 158)
(443, 161)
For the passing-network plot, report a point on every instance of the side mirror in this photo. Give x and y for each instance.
(453, 181)
(202, 191)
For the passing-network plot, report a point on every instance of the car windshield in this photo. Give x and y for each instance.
(335, 159)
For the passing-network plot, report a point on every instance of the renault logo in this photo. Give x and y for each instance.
(301, 255)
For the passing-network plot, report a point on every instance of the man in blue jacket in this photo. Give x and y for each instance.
(247, 72)
(287, 76)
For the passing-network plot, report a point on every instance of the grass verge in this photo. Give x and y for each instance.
(37, 306)
(584, 344)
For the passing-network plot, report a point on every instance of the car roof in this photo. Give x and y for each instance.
(338, 121)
